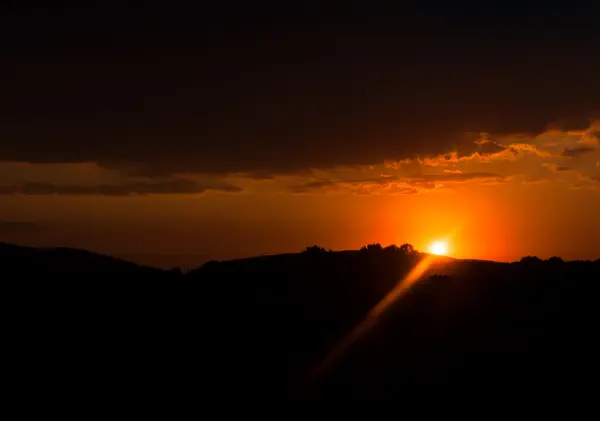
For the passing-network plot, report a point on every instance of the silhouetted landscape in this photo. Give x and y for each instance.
(260, 327)
(268, 201)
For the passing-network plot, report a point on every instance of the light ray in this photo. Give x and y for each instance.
(377, 311)
(371, 319)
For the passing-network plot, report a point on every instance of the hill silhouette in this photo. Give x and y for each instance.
(259, 327)
(63, 261)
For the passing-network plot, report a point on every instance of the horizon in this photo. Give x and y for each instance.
(170, 135)
(191, 262)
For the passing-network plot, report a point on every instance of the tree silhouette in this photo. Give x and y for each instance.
(372, 248)
(314, 250)
(531, 260)
(404, 249)
(407, 249)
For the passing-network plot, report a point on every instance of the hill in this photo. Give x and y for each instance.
(464, 320)
(259, 327)
(24, 261)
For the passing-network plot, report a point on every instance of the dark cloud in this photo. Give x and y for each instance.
(351, 184)
(259, 91)
(364, 187)
(396, 184)
(557, 168)
(312, 185)
(259, 175)
(454, 177)
(481, 147)
(577, 151)
(181, 186)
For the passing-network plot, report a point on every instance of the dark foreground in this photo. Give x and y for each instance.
(257, 328)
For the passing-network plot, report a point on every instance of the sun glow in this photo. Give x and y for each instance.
(439, 248)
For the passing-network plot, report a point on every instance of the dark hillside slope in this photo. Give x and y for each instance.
(258, 327)
(299, 304)
(474, 321)
(23, 261)
(487, 325)
(75, 320)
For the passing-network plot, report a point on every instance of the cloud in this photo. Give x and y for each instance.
(312, 186)
(494, 160)
(577, 151)
(396, 164)
(454, 177)
(587, 183)
(481, 147)
(426, 185)
(178, 186)
(557, 168)
(464, 156)
(533, 180)
(491, 153)
(403, 190)
(259, 175)
(162, 111)
(387, 189)
(521, 149)
(357, 186)
(391, 184)
(591, 137)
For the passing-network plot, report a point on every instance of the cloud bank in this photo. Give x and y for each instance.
(166, 187)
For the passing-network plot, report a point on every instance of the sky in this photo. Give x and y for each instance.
(174, 136)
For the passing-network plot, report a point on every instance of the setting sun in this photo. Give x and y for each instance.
(439, 247)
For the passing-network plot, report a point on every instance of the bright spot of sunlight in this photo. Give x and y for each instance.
(439, 248)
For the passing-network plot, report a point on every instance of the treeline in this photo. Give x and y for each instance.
(369, 248)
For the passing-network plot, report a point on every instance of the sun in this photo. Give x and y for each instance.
(439, 247)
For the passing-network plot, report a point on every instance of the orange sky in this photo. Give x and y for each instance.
(533, 196)
(171, 136)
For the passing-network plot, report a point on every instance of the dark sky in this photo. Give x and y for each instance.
(254, 87)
